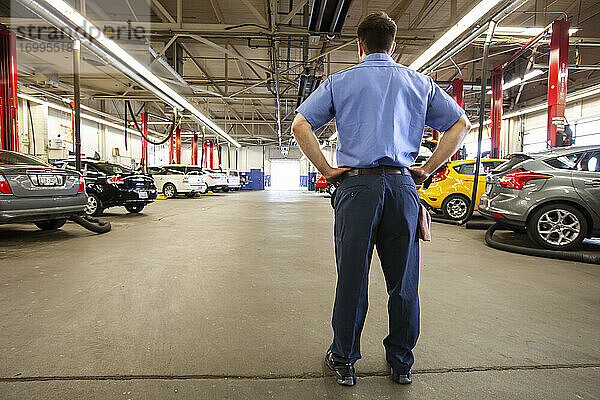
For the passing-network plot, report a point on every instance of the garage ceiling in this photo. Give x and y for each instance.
(238, 54)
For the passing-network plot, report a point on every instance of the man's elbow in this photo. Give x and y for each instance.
(467, 124)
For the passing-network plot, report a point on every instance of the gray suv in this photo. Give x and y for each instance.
(554, 195)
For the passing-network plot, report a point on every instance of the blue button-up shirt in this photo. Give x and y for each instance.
(380, 109)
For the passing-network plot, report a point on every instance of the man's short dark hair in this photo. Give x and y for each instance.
(377, 33)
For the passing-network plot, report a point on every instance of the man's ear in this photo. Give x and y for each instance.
(393, 48)
(361, 50)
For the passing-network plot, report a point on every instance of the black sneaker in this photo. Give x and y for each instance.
(402, 379)
(344, 372)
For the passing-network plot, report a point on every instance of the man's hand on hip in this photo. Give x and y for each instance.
(334, 175)
(419, 174)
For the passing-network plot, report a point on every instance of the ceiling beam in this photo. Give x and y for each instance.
(254, 11)
(164, 11)
(294, 11)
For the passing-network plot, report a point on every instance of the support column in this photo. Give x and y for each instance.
(457, 95)
(171, 148)
(77, 103)
(9, 132)
(212, 153)
(557, 83)
(195, 149)
(496, 112)
(144, 160)
(205, 154)
(178, 144)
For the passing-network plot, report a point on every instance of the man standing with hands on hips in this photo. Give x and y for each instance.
(381, 109)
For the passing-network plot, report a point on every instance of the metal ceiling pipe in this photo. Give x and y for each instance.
(506, 11)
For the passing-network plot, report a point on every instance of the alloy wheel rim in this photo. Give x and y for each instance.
(558, 227)
(92, 205)
(457, 208)
(169, 191)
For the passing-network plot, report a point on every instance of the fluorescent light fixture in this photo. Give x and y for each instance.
(529, 75)
(461, 26)
(523, 31)
(90, 29)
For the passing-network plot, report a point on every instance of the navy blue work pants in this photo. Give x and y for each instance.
(377, 211)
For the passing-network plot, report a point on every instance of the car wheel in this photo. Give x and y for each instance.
(455, 207)
(204, 189)
(191, 195)
(94, 206)
(169, 190)
(135, 208)
(226, 189)
(51, 225)
(557, 227)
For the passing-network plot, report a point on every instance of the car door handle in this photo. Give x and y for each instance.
(592, 182)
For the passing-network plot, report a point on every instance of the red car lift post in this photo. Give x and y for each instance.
(496, 112)
(457, 95)
(171, 148)
(144, 160)
(557, 81)
(211, 155)
(204, 159)
(9, 139)
(178, 144)
(195, 149)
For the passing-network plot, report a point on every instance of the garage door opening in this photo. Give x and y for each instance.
(285, 175)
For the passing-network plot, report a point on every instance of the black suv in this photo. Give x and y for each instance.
(112, 185)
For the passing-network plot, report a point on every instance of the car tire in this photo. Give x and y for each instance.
(191, 195)
(94, 206)
(169, 190)
(135, 208)
(455, 207)
(51, 224)
(226, 190)
(557, 227)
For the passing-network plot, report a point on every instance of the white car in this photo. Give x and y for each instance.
(215, 180)
(173, 179)
(233, 180)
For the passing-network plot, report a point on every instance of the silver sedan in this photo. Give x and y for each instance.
(34, 191)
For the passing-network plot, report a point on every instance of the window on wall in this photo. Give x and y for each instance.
(535, 140)
(586, 133)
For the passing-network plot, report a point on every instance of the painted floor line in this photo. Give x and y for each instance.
(291, 376)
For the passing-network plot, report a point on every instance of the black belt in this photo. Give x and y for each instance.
(382, 170)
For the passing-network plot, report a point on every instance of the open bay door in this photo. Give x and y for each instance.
(285, 174)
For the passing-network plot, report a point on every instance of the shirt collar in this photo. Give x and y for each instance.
(378, 57)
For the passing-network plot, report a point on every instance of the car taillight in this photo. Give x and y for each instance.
(186, 180)
(4, 186)
(214, 176)
(81, 187)
(518, 178)
(115, 179)
(440, 176)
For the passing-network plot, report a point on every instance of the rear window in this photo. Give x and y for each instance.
(568, 161)
(510, 164)
(8, 158)
(112, 169)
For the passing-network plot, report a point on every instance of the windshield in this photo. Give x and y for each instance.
(113, 169)
(10, 158)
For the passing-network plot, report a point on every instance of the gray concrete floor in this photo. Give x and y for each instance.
(230, 296)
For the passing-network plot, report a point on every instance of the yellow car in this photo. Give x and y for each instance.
(451, 189)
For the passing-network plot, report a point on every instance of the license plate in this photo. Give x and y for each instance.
(143, 195)
(48, 180)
